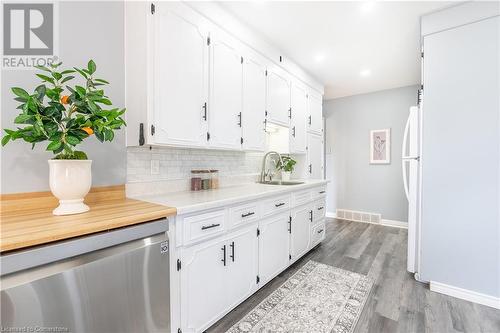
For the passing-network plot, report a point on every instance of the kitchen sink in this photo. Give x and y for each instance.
(280, 182)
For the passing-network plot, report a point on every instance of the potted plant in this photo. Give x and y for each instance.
(65, 116)
(286, 165)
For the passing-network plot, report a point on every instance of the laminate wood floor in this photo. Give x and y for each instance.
(397, 303)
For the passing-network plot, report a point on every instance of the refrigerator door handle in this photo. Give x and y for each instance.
(405, 158)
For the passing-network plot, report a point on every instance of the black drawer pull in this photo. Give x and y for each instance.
(232, 251)
(320, 231)
(205, 227)
(247, 214)
(321, 192)
(279, 205)
(311, 215)
(320, 208)
(224, 256)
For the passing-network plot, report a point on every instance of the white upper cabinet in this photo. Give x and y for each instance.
(315, 110)
(180, 69)
(254, 103)
(225, 102)
(298, 125)
(278, 96)
(315, 156)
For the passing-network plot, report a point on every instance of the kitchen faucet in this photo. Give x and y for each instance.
(263, 173)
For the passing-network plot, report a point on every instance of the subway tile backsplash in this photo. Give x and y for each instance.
(166, 169)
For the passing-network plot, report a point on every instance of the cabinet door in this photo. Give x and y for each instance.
(315, 156)
(242, 257)
(298, 125)
(278, 97)
(180, 54)
(224, 108)
(315, 108)
(254, 103)
(274, 246)
(300, 235)
(203, 287)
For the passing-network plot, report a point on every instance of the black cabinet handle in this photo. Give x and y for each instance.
(290, 225)
(310, 120)
(247, 214)
(239, 119)
(310, 168)
(320, 208)
(224, 256)
(320, 231)
(279, 205)
(321, 192)
(311, 215)
(205, 227)
(232, 251)
(293, 131)
(205, 111)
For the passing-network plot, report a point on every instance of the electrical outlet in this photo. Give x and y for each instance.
(155, 167)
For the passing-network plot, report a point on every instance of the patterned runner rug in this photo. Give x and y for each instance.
(318, 298)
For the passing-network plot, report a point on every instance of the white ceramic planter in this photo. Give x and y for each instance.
(285, 175)
(70, 181)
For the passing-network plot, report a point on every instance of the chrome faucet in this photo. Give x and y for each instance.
(263, 173)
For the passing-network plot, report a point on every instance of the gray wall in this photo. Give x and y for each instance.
(86, 30)
(355, 183)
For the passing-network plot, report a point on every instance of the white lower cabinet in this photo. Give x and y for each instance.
(226, 254)
(300, 230)
(274, 246)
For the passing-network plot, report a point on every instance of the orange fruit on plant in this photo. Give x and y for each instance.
(65, 99)
(89, 130)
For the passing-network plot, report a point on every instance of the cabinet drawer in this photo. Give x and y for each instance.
(300, 198)
(317, 233)
(203, 225)
(319, 210)
(319, 192)
(240, 214)
(275, 205)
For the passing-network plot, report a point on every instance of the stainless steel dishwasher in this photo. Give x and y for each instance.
(116, 281)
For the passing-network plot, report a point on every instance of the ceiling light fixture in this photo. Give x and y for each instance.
(365, 72)
(367, 6)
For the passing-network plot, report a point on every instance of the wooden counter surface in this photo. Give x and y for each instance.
(27, 220)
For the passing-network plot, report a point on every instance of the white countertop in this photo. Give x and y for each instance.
(190, 201)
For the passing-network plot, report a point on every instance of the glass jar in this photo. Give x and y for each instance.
(195, 180)
(214, 179)
(205, 179)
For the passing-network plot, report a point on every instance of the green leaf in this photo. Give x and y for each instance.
(22, 118)
(68, 71)
(43, 68)
(72, 140)
(81, 72)
(45, 78)
(56, 75)
(80, 90)
(20, 92)
(54, 145)
(80, 155)
(67, 78)
(91, 67)
(5, 139)
(103, 101)
(99, 135)
(101, 81)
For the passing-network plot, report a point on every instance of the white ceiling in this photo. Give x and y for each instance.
(350, 47)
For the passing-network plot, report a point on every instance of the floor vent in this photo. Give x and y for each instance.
(357, 216)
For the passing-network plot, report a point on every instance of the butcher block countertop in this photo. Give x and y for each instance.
(27, 220)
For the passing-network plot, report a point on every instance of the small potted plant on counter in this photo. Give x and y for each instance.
(286, 165)
(65, 116)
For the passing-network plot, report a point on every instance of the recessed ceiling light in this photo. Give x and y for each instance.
(367, 6)
(365, 72)
(319, 57)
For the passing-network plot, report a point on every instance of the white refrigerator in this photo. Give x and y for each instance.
(411, 180)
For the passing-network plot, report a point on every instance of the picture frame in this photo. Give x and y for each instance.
(380, 146)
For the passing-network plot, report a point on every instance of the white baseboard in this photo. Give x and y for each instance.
(394, 223)
(468, 295)
(331, 214)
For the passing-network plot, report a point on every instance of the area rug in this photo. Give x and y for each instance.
(317, 298)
